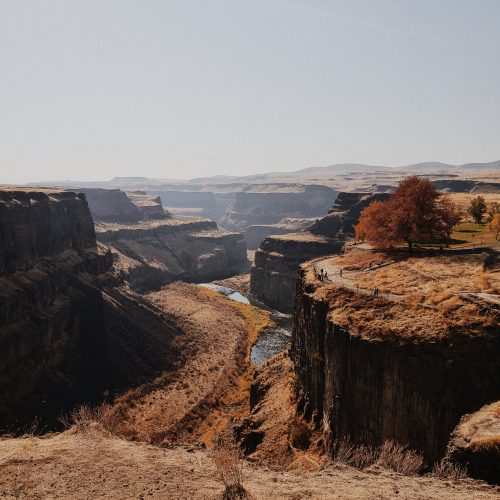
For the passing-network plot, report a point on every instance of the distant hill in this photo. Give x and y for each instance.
(433, 166)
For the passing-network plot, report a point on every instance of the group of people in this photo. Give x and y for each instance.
(322, 275)
(375, 292)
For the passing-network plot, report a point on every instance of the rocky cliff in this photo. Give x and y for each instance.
(273, 275)
(115, 205)
(68, 331)
(367, 382)
(277, 202)
(255, 235)
(153, 253)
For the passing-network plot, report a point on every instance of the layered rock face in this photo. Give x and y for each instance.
(255, 235)
(34, 225)
(273, 275)
(372, 389)
(274, 272)
(68, 331)
(475, 443)
(255, 208)
(153, 253)
(114, 205)
(49, 306)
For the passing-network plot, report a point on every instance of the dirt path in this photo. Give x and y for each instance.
(92, 465)
(337, 275)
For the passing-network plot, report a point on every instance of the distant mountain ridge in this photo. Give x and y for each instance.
(328, 171)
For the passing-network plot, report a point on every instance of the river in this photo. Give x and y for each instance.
(271, 340)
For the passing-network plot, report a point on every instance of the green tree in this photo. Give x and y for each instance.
(477, 208)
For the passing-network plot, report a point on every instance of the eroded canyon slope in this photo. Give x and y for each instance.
(152, 247)
(274, 272)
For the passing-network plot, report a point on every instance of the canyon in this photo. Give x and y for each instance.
(273, 274)
(94, 313)
(152, 247)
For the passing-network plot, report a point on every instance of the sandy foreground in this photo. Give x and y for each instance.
(93, 465)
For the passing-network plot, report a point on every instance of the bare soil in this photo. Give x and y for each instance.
(95, 465)
(194, 403)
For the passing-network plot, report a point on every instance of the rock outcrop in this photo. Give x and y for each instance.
(273, 275)
(368, 386)
(152, 253)
(475, 443)
(274, 203)
(68, 331)
(114, 205)
(255, 235)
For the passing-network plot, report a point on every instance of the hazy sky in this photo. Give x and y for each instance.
(91, 89)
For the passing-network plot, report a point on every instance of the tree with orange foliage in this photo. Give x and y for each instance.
(416, 212)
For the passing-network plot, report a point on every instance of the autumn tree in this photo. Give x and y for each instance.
(477, 208)
(494, 225)
(415, 212)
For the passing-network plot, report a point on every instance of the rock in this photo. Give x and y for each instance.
(254, 235)
(475, 443)
(274, 272)
(268, 204)
(152, 253)
(68, 330)
(367, 387)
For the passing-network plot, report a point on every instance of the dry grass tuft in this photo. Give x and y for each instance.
(445, 469)
(399, 458)
(92, 420)
(390, 455)
(227, 459)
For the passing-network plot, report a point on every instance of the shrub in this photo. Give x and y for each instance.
(227, 459)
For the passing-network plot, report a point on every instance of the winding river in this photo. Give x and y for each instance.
(272, 340)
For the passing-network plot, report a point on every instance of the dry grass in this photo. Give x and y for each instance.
(433, 275)
(210, 386)
(227, 458)
(87, 419)
(429, 296)
(390, 455)
(444, 469)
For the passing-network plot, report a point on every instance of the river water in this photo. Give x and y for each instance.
(272, 340)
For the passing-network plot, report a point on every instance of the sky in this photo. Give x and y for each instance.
(92, 89)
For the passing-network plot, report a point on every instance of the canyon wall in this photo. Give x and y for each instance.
(274, 272)
(50, 308)
(68, 330)
(115, 205)
(274, 203)
(370, 389)
(153, 253)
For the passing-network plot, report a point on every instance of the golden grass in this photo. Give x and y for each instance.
(390, 455)
(437, 277)
(430, 306)
(463, 199)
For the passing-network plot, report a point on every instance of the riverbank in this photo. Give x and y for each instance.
(193, 403)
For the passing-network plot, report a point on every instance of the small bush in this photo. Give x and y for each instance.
(227, 459)
(390, 455)
(86, 418)
(445, 469)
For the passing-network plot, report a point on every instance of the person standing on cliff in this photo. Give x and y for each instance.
(340, 272)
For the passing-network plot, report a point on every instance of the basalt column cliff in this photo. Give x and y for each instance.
(51, 325)
(400, 366)
(69, 330)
